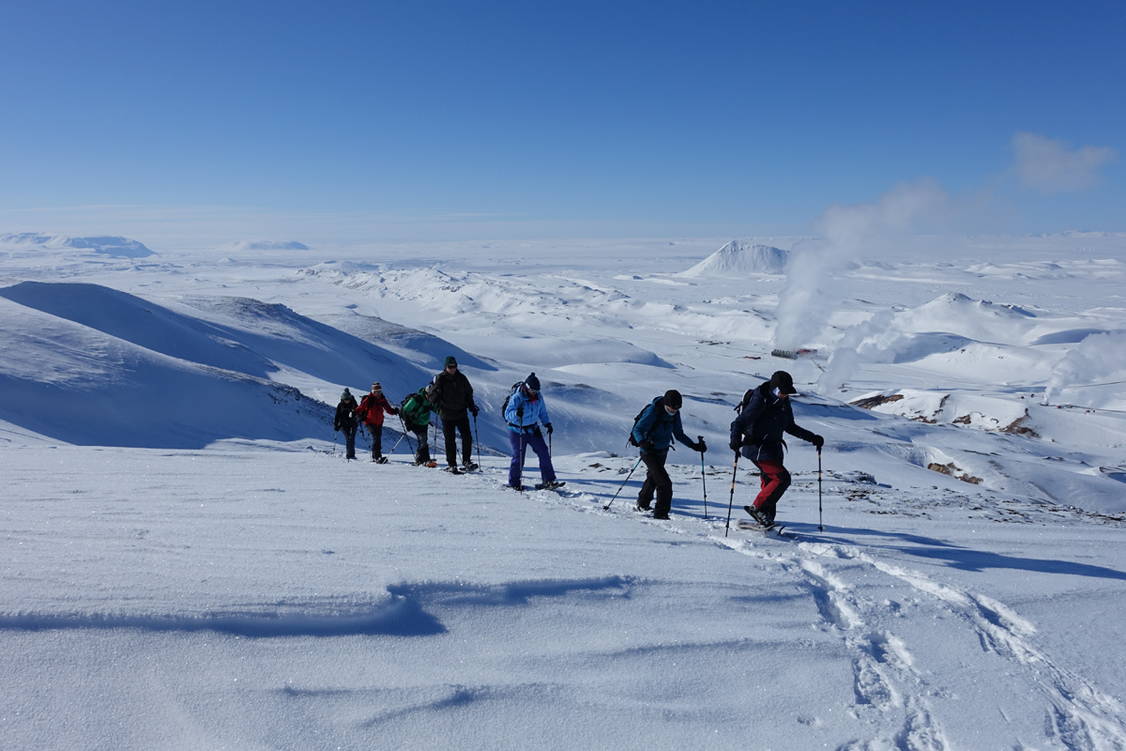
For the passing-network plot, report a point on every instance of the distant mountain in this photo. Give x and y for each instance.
(269, 245)
(107, 245)
(741, 258)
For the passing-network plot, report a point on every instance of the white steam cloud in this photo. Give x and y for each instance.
(1098, 357)
(810, 295)
(1052, 167)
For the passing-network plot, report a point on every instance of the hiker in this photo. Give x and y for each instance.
(525, 408)
(415, 411)
(757, 434)
(370, 411)
(653, 432)
(345, 422)
(452, 398)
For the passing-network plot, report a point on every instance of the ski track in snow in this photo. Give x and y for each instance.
(886, 678)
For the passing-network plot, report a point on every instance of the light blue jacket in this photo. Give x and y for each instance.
(523, 412)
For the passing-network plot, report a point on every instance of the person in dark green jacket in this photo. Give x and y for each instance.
(653, 432)
(415, 410)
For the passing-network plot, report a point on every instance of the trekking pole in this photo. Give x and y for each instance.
(401, 437)
(731, 500)
(477, 440)
(704, 481)
(607, 506)
(405, 431)
(819, 527)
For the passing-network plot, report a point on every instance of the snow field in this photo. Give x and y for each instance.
(187, 564)
(290, 599)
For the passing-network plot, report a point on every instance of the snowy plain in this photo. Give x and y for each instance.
(188, 561)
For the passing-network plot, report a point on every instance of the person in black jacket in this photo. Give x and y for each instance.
(757, 434)
(346, 422)
(453, 401)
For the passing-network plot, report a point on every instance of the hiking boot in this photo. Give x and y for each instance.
(662, 517)
(642, 506)
(469, 467)
(763, 520)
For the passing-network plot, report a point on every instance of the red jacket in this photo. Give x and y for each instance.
(371, 410)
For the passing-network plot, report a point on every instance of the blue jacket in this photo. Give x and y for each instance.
(656, 428)
(759, 427)
(524, 412)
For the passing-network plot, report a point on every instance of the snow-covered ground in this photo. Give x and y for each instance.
(188, 561)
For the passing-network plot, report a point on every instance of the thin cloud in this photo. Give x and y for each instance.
(1052, 166)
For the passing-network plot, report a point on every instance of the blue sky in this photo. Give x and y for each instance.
(704, 118)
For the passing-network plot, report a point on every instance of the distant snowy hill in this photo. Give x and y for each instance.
(92, 365)
(741, 258)
(120, 247)
(269, 245)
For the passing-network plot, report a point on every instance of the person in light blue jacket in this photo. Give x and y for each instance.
(524, 414)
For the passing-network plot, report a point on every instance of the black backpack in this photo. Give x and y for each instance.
(504, 407)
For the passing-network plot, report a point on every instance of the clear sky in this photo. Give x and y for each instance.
(574, 117)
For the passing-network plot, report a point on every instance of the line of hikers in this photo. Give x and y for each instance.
(764, 415)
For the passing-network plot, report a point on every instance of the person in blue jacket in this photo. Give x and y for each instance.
(525, 411)
(653, 432)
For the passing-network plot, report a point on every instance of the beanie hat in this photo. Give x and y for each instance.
(784, 382)
(532, 382)
(346, 395)
(450, 360)
(673, 399)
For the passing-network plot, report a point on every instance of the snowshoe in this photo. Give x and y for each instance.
(452, 470)
(470, 467)
(762, 519)
(549, 485)
(380, 459)
(517, 488)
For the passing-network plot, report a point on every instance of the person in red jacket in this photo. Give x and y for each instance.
(370, 412)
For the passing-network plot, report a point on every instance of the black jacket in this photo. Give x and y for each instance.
(345, 416)
(452, 396)
(759, 427)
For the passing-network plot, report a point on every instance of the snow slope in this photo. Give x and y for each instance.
(285, 599)
(190, 563)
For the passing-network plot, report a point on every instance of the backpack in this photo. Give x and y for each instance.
(632, 441)
(504, 407)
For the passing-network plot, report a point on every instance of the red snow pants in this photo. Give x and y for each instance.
(775, 480)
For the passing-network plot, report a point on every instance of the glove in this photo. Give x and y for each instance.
(550, 429)
(701, 446)
(474, 410)
(520, 414)
(734, 446)
(646, 445)
(818, 441)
